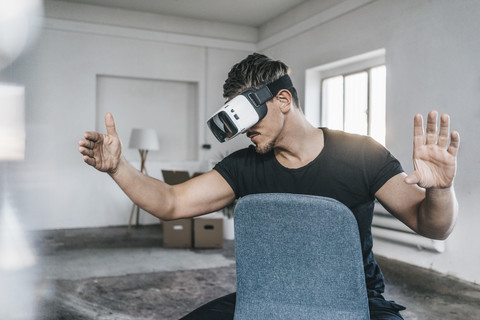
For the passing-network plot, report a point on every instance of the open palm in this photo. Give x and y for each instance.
(434, 158)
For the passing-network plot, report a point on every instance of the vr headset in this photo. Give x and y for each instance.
(245, 110)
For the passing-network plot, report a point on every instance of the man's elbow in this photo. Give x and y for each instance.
(441, 236)
(438, 233)
(441, 227)
(165, 210)
(166, 213)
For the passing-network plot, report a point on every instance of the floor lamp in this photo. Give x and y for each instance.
(143, 140)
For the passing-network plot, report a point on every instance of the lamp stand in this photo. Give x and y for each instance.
(143, 169)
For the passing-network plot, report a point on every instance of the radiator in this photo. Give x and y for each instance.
(387, 227)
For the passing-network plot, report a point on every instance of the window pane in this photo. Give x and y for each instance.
(356, 103)
(332, 103)
(378, 103)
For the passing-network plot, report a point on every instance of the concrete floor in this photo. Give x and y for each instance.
(107, 273)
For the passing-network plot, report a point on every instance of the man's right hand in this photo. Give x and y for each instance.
(102, 151)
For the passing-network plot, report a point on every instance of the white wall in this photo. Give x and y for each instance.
(432, 50)
(168, 107)
(53, 188)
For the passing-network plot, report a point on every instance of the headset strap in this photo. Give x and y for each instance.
(269, 91)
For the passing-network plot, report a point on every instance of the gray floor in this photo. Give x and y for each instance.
(108, 273)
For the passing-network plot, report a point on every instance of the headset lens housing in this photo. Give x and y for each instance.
(245, 110)
(222, 126)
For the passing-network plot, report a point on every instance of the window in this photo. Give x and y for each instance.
(355, 102)
(349, 95)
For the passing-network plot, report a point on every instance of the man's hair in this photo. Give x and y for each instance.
(255, 71)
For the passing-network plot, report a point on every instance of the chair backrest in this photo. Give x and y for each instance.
(298, 257)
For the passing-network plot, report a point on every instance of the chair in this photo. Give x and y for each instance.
(298, 257)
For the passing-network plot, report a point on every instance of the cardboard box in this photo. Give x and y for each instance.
(207, 233)
(177, 233)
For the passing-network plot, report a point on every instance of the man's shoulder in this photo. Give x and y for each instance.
(244, 152)
(239, 156)
(343, 135)
(342, 139)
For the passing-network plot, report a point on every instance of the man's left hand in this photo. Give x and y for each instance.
(434, 157)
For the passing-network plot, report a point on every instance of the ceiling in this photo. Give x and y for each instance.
(252, 13)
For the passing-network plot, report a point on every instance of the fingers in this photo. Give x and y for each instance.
(110, 124)
(412, 178)
(444, 130)
(88, 154)
(92, 136)
(86, 146)
(431, 131)
(86, 143)
(454, 143)
(86, 151)
(89, 161)
(431, 135)
(418, 137)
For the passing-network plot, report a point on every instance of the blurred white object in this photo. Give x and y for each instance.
(15, 252)
(15, 29)
(144, 139)
(17, 259)
(18, 28)
(18, 274)
(12, 122)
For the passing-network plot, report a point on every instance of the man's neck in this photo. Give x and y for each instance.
(299, 144)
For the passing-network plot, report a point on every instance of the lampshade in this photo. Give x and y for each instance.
(12, 122)
(145, 139)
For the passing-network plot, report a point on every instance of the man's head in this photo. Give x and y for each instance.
(260, 97)
(255, 71)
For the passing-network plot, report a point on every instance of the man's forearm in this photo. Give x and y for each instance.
(148, 193)
(438, 213)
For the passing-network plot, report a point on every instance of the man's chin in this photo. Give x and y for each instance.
(263, 148)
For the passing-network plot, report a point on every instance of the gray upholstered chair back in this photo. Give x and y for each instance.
(298, 257)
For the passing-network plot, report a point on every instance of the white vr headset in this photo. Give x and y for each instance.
(245, 110)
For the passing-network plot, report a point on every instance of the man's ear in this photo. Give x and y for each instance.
(284, 97)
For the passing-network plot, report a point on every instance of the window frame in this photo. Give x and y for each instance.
(354, 64)
(368, 71)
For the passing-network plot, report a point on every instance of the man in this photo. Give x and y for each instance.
(292, 156)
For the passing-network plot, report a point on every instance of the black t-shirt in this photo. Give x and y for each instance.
(351, 169)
